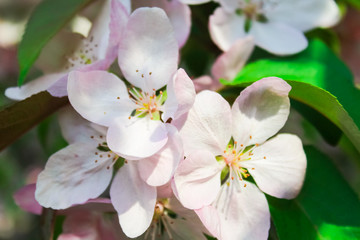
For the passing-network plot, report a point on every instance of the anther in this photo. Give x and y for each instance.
(109, 155)
(233, 151)
(92, 137)
(96, 161)
(118, 97)
(126, 161)
(253, 168)
(142, 75)
(264, 157)
(108, 167)
(232, 178)
(244, 185)
(96, 153)
(250, 137)
(150, 73)
(137, 70)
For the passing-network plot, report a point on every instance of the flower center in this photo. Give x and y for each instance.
(233, 156)
(163, 218)
(84, 54)
(149, 104)
(104, 156)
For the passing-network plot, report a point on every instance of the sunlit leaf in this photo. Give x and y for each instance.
(326, 208)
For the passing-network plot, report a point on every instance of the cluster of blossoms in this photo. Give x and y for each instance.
(179, 164)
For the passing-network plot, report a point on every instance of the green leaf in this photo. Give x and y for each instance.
(46, 20)
(326, 208)
(22, 116)
(319, 79)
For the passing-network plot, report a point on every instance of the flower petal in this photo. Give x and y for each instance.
(210, 219)
(148, 53)
(197, 179)
(133, 199)
(206, 83)
(278, 166)
(136, 138)
(232, 61)
(207, 125)
(178, 13)
(35, 86)
(225, 28)
(99, 96)
(72, 176)
(180, 96)
(243, 214)
(260, 111)
(74, 128)
(158, 169)
(278, 38)
(305, 14)
(25, 199)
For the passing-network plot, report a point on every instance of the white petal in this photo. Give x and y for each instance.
(99, 96)
(158, 169)
(178, 13)
(197, 179)
(226, 28)
(305, 14)
(72, 176)
(229, 64)
(210, 218)
(74, 128)
(35, 86)
(281, 173)
(208, 124)
(136, 138)
(260, 111)
(278, 38)
(133, 199)
(206, 83)
(148, 53)
(243, 214)
(180, 96)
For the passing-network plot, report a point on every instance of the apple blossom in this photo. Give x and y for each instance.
(276, 25)
(235, 143)
(83, 170)
(97, 51)
(148, 56)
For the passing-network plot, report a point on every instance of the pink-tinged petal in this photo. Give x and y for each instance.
(207, 124)
(178, 13)
(180, 96)
(35, 86)
(25, 199)
(72, 176)
(210, 218)
(278, 166)
(260, 111)
(229, 64)
(305, 14)
(158, 169)
(133, 199)
(119, 16)
(148, 53)
(86, 225)
(206, 83)
(136, 138)
(225, 28)
(74, 128)
(165, 191)
(127, 5)
(99, 96)
(278, 38)
(194, 2)
(243, 214)
(197, 179)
